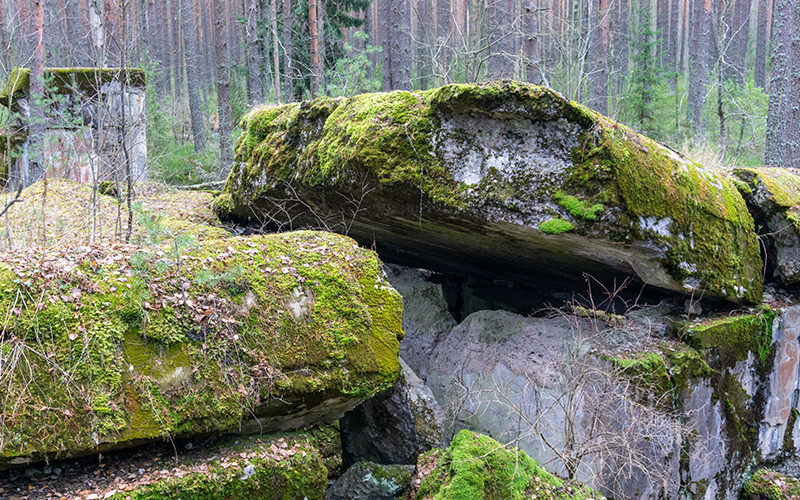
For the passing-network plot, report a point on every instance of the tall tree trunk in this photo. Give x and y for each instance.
(192, 74)
(791, 146)
(674, 32)
(760, 73)
(98, 34)
(38, 112)
(223, 83)
(288, 50)
(735, 25)
(313, 34)
(399, 46)
(322, 43)
(276, 54)
(74, 33)
(177, 52)
(662, 27)
(698, 67)
(782, 27)
(501, 43)
(384, 29)
(254, 61)
(598, 71)
(164, 60)
(622, 37)
(530, 43)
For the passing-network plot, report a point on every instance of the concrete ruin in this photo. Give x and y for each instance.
(93, 117)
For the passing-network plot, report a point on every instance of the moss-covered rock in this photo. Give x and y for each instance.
(773, 195)
(272, 469)
(767, 484)
(477, 466)
(502, 178)
(371, 481)
(189, 332)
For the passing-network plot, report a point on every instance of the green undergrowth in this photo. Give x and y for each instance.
(184, 334)
(380, 148)
(264, 469)
(477, 466)
(767, 484)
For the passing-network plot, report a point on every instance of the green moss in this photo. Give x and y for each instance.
(476, 466)
(556, 226)
(577, 207)
(767, 484)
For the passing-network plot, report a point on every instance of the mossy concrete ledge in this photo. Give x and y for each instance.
(773, 195)
(502, 178)
(111, 345)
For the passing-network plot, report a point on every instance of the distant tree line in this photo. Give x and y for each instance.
(722, 74)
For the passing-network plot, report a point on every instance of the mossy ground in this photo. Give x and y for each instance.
(767, 484)
(184, 334)
(477, 466)
(262, 469)
(622, 186)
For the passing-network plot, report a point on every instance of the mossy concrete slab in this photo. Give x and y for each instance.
(106, 345)
(503, 179)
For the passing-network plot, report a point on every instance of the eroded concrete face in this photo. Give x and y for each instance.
(783, 383)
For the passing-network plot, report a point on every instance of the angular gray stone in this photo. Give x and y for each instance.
(395, 426)
(370, 481)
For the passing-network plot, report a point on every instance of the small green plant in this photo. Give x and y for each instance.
(556, 226)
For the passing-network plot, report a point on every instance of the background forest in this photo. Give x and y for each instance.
(717, 79)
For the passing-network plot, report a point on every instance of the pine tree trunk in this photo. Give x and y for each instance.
(322, 45)
(254, 62)
(501, 51)
(98, 33)
(177, 52)
(700, 43)
(530, 45)
(598, 72)
(192, 74)
(384, 28)
(674, 43)
(288, 47)
(622, 36)
(791, 146)
(735, 25)
(313, 35)
(400, 45)
(163, 44)
(37, 117)
(276, 54)
(782, 27)
(760, 73)
(223, 82)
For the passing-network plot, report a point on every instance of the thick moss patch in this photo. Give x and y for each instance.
(477, 466)
(733, 337)
(416, 156)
